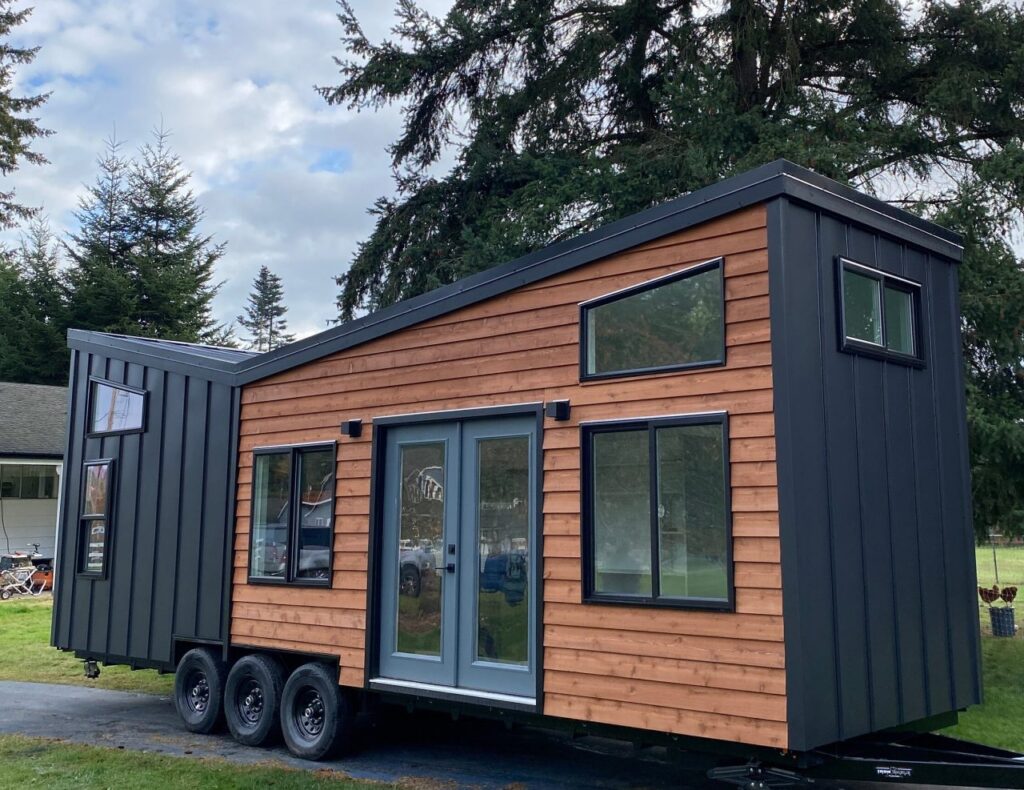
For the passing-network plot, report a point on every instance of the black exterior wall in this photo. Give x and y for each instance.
(167, 579)
(881, 622)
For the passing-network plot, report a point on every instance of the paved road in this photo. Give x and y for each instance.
(465, 753)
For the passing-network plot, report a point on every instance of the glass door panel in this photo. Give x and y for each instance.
(418, 603)
(497, 590)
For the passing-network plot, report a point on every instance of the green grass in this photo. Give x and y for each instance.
(35, 762)
(25, 653)
(1000, 721)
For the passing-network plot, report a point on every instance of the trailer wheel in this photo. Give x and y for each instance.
(252, 698)
(316, 717)
(199, 690)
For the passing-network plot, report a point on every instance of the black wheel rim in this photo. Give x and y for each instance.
(197, 691)
(309, 713)
(249, 702)
(408, 583)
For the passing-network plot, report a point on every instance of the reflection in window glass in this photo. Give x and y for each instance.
(97, 481)
(10, 481)
(862, 308)
(503, 513)
(95, 543)
(420, 547)
(691, 512)
(316, 505)
(899, 321)
(115, 409)
(622, 513)
(677, 323)
(271, 486)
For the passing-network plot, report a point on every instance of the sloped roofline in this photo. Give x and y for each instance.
(777, 179)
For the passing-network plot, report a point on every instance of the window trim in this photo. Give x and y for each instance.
(106, 517)
(94, 380)
(852, 345)
(633, 290)
(651, 425)
(295, 452)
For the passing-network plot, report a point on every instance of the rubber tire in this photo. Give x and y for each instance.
(215, 671)
(339, 716)
(412, 573)
(268, 672)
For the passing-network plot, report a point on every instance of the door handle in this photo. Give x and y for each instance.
(451, 567)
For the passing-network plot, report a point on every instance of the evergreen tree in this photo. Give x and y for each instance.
(33, 311)
(562, 115)
(264, 314)
(17, 132)
(139, 265)
(170, 262)
(100, 278)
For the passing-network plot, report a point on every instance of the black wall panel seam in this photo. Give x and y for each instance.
(158, 511)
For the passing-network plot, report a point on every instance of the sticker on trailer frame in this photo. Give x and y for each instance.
(894, 771)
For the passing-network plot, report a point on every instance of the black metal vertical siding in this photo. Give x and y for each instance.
(877, 549)
(171, 522)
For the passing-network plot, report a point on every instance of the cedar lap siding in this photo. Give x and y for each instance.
(701, 673)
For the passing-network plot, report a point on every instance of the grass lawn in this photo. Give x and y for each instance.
(25, 653)
(35, 762)
(1000, 721)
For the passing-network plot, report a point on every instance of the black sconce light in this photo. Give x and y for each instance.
(352, 428)
(557, 410)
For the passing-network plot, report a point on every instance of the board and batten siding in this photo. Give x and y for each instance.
(699, 673)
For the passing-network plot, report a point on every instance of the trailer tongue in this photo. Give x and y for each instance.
(889, 758)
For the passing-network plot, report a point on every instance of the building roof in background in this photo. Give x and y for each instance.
(32, 420)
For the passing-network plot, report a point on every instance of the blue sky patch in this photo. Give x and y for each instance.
(332, 160)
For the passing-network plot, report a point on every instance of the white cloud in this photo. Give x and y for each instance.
(285, 179)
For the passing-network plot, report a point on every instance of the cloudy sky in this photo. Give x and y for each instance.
(284, 179)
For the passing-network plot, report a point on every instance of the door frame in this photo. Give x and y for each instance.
(378, 467)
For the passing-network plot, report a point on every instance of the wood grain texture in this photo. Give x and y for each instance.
(700, 673)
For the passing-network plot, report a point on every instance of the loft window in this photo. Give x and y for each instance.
(670, 323)
(115, 409)
(94, 522)
(879, 313)
(292, 514)
(656, 512)
(28, 481)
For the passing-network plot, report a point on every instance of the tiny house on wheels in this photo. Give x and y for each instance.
(699, 474)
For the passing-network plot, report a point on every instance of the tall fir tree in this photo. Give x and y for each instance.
(139, 264)
(18, 130)
(264, 314)
(562, 115)
(33, 310)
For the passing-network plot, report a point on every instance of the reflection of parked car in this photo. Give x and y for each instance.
(415, 568)
(270, 550)
(506, 573)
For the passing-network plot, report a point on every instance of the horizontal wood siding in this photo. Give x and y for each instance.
(712, 674)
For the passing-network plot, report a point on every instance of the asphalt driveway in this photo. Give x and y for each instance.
(464, 753)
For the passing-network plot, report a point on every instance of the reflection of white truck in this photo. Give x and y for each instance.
(416, 564)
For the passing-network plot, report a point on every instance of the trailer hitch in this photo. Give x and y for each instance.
(754, 776)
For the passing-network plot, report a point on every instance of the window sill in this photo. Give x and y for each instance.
(698, 604)
(859, 348)
(272, 582)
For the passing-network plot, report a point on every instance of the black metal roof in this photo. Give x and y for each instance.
(777, 179)
(33, 418)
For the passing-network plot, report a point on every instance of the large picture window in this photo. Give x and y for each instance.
(879, 313)
(656, 520)
(670, 323)
(115, 408)
(94, 522)
(292, 514)
(28, 481)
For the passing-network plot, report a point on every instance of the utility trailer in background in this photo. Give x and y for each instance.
(699, 475)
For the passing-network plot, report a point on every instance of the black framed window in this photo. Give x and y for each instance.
(879, 313)
(291, 534)
(670, 323)
(656, 512)
(94, 521)
(115, 408)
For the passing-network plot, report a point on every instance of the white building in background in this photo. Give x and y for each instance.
(33, 419)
